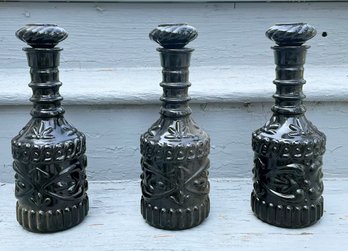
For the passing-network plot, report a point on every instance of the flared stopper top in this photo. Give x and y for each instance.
(173, 36)
(41, 35)
(294, 34)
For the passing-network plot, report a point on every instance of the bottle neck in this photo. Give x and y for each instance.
(175, 82)
(45, 82)
(289, 79)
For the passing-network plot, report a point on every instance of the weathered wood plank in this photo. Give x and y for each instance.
(109, 35)
(113, 136)
(115, 223)
(125, 86)
(229, 103)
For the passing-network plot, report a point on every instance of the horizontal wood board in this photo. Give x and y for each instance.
(115, 223)
(113, 133)
(122, 86)
(111, 35)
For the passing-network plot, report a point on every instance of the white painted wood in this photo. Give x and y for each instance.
(112, 35)
(110, 88)
(116, 105)
(113, 133)
(209, 85)
(115, 223)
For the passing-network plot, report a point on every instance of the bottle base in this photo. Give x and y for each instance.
(52, 221)
(175, 219)
(287, 216)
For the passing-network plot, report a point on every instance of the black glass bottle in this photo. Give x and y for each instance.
(175, 186)
(49, 153)
(288, 148)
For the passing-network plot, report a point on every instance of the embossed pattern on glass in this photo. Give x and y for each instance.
(288, 149)
(49, 153)
(174, 179)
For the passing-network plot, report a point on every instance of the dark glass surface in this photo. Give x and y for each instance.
(288, 149)
(175, 186)
(49, 153)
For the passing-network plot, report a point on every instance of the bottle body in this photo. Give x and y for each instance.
(287, 172)
(288, 151)
(175, 186)
(49, 155)
(50, 175)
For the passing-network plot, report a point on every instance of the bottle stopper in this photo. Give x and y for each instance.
(173, 36)
(291, 34)
(41, 35)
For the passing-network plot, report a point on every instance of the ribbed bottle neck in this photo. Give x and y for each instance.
(289, 79)
(45, 82)
(175, 81)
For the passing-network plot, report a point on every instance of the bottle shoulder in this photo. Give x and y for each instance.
(45, 131)
(290, 129)
(175, 139)
(175, 131)
(52, 139)
(289, 136)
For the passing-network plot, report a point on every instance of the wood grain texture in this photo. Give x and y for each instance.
(109, 35)
(123, 86)
(113, 134)
(114, 223)
(234, 86)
